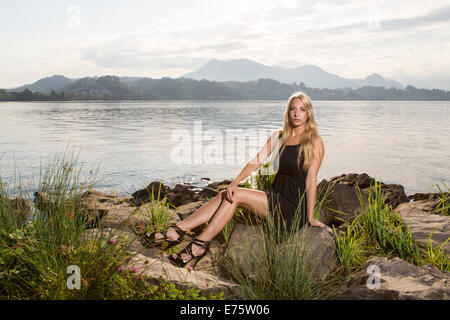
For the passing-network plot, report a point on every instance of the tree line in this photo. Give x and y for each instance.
(110, 88)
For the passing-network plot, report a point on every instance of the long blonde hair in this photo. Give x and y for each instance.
(311, 130)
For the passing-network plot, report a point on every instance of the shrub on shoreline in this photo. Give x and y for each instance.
(37, 254)
(378, 231)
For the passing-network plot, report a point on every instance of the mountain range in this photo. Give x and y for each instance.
(242, 70)
(222, 80)
(312, 76)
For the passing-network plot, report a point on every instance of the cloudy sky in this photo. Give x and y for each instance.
(408, 41)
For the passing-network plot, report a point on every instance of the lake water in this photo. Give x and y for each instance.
(136, 143)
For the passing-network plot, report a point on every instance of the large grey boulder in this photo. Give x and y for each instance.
(245, 246)
(398, 279)
(183, 277)
(116, 216)
(419, 217)
(151, 191)
(93, 205)
(342, 204)
(322, 243)
(246, 249)
(343, 201)
(186, 210)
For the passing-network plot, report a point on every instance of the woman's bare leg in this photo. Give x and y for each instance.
(254, 201)
(203, 214)
(199, 217)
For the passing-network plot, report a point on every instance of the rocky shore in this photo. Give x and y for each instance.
(399, 279)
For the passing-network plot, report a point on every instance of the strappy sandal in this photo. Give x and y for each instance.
(178, 261)
(152, 241)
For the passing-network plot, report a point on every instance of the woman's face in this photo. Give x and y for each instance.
(297, 113)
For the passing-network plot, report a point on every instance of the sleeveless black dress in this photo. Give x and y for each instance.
(285, 197)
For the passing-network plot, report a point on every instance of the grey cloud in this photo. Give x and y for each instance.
(437, 15)
(124, 52)
(135, 59)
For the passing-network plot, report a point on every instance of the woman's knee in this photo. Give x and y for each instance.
(252, 200)
(221, 194)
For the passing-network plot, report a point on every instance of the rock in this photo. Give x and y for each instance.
(419, 218)
(421, 206)
(93, 205)
(211, 263)
(206, 192)
(19, 208)
(101, 210)
(342, 198)
(145, 195)
(97, 201)
(395, 194)
(125, 199)
(180, 195)
(243, 240)
(428, 196)
(100, 196)
(117, 217)
(186, 210)
(220, 185)
(399, 280)
(322, 242)
(212, 189)
(363, 180)
(246, 242)
(184, 278)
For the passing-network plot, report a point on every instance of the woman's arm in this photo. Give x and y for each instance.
(311, 180)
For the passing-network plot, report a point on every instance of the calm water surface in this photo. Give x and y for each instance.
(135, 143)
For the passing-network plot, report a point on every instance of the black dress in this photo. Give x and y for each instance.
(285, 197)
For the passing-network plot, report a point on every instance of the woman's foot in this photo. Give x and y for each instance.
(172, 236)
(196, 251)
(191, 254)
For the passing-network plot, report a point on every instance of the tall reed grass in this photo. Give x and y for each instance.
(443, 206)
(379, 231)
(36, 253)
(281, 263)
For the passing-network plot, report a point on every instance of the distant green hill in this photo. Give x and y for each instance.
(112, 88)
(46, 85)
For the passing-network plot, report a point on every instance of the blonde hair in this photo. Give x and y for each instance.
(310, 133)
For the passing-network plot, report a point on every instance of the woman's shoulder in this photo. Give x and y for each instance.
(317, 141)
(280, 132)
(277, 133)
(318, 146)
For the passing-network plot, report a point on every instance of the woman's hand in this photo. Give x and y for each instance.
(316, 223)
(231, 192)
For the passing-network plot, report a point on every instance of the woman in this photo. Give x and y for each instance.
(299, 151)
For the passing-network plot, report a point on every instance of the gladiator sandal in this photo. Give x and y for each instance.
(193, 259)
(152, 241)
